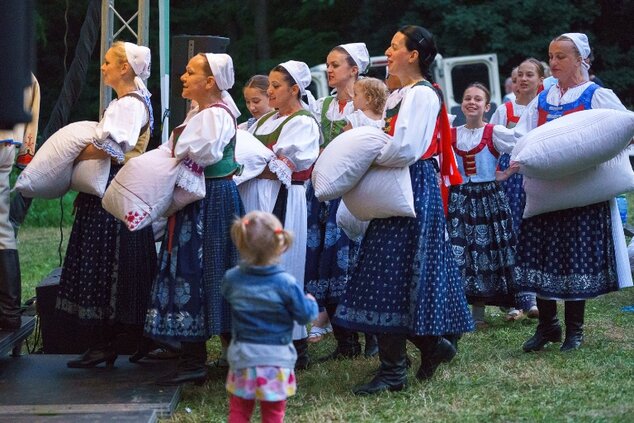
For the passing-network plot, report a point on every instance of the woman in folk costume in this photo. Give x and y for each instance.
(186, 304)
(108, 270)
(329, 250)
(530, 74)
(406, 284)
(584, 265)
(292, 133)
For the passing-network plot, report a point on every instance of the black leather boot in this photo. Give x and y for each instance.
(10, 290)
(371, 345)
(574, 312)
(392, 375)
(303, 360)
(191, 366)
(453, 338)
(434, 350)
(548, 329)
(348, 345)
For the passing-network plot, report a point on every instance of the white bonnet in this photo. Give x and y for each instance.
(221, 66)
(581, 42)
(139, 58)
(299, 72)
(359, 53)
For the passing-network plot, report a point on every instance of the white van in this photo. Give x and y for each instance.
(453, 74)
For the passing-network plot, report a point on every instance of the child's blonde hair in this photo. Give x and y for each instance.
(375, 92)
(260, 238)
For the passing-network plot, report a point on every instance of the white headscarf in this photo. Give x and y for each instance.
(360, 55)
(301, 75)
(140, 59)
(222, 69)
(583, 46)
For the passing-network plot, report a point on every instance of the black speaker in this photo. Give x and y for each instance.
(184, 47)
(62, 334)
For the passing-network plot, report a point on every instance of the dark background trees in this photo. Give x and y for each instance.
(266, 32)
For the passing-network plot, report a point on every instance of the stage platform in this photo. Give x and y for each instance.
(11, 342)
(40, 388)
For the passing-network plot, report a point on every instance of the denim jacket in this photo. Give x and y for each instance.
(265, 301)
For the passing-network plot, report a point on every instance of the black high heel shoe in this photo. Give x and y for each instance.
(143, 349)
(92, 358)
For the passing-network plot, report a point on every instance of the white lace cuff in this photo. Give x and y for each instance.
(190, 177)
(282, 171)
(111, 148)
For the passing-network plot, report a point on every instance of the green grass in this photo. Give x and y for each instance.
(490, 379)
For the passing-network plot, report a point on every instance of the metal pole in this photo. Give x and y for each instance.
(107, 30)
(105, 92)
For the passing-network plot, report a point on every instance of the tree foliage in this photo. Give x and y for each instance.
(307, 30)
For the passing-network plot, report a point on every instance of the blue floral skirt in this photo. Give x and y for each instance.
(483, 243)
(328, 251)
(568, 254)
(514, 189)
(108, 271)
(186, 304)
(405, 279)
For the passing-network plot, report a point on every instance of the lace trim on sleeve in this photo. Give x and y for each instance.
(111, 148)
(190, 177)
(281, 169)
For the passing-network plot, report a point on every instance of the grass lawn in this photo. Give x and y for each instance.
(490, 380)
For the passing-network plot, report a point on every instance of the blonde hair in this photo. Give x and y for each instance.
(260, 238)
(375, 92)
(118, 48)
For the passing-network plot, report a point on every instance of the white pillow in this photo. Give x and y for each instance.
(49, 173)
(91, 176)
(345, 160)
(382, 192)
(142, 190)
(182, 197)
(594, 185)
(252, 155)
(573, 143)
(353, 227)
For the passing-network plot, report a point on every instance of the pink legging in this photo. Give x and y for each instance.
(240, 410)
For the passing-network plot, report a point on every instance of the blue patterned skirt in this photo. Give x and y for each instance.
(328, 250)
(514, 190)
(405, 279)
(568, 254)
(108, 270)
(483, 243)
(186, 304)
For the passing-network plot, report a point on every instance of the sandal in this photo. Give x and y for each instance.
(316, 333)
(514, 315)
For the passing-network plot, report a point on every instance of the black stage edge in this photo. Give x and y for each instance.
(39, 387)
(148, 416)
(12, 341)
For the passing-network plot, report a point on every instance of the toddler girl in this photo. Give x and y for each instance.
(479, 217)
(265, 300)
(256, 99)
(369, 99)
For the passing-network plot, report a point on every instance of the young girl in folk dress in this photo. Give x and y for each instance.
(479, 217)
(265, 300)
(256, 99)
(530, 74)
